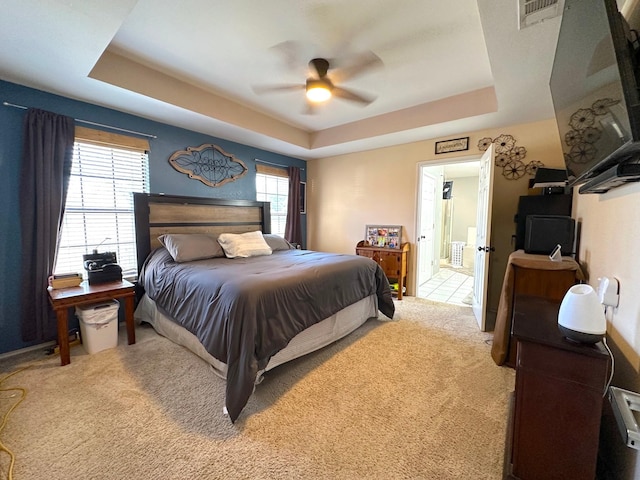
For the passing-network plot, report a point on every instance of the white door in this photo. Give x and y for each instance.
(483, 238)
(426, 227)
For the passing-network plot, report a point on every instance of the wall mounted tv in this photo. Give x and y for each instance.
(594, 87)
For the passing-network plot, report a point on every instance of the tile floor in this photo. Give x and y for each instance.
(448, 286)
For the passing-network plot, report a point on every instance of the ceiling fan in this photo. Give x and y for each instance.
(321, 87)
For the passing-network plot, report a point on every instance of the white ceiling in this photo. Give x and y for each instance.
(449, 67)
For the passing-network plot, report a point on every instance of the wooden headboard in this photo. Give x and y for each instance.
(157, 214)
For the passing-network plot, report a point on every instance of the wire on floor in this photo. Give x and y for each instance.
(23, 393)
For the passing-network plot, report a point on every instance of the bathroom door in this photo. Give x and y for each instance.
(426, 227)
(483, 239)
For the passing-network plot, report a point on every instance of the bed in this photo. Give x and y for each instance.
(248, 314)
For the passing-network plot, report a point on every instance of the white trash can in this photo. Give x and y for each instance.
(456, 253)
(99, 325)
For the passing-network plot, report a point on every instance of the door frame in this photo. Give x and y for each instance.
(419, 166)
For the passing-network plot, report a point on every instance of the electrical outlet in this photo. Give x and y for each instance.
(608, 291)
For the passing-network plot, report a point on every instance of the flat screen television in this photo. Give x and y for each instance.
(594, 88)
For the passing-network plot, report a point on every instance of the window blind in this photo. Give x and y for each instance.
(275, 190)
(273, 171)
(99, 207)
(102, 138)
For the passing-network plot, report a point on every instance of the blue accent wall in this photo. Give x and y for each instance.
(162, 177)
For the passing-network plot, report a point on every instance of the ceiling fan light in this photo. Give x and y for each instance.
(318, 91)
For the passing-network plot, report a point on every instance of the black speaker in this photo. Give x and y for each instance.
(544, 232)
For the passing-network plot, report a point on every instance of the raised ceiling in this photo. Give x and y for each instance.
(448, 67)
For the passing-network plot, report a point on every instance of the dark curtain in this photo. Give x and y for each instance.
(46, 167)
(293, 228)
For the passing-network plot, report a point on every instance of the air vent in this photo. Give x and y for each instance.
(531, 12)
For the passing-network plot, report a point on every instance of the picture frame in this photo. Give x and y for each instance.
(453, 145)
(387, 236)
(303, 198)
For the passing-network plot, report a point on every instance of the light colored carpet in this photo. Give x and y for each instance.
(417, 398)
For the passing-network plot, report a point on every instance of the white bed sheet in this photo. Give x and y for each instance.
(313, 338)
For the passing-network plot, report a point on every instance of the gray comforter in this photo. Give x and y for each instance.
(245, 310)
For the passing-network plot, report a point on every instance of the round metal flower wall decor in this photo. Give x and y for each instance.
(504, 143)
(510, 157)
(209, 164)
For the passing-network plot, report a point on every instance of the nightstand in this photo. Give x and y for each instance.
(65, 298)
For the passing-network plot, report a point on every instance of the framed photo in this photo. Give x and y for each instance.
(453, 145)
(303, 197)
(388, 236)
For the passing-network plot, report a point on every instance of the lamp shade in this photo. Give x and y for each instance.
(318, 90)
(581, 316)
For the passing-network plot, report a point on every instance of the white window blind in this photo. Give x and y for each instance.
(275, 190)
(99, 208)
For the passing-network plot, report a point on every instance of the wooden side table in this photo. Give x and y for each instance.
(65, 298)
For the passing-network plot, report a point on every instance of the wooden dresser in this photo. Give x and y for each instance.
(393, 262)
(528, 274)
(555, 422)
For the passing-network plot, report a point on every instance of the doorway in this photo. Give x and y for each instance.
(447, 213)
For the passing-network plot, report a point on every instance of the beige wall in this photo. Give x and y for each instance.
(379, 186)
(610, 229)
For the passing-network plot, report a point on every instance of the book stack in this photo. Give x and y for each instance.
(65, 280)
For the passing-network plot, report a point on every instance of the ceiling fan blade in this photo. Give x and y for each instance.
(363, 62)
(352, 96)
(260, 89)
(310, 109)
(291, 53)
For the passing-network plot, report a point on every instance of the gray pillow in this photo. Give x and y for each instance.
(186, 247)
(276, 242)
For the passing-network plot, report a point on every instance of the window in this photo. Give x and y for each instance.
(275, 190)
(99, 208)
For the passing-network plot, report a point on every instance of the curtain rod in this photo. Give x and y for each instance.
(7, 104)
(274, 164)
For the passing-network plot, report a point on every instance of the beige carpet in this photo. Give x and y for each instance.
(419, 398)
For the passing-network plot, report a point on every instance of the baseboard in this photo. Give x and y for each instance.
(46, 345)
(41, 346)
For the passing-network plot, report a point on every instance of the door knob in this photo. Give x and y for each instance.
(486, 249)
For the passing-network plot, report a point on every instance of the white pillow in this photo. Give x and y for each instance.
(250, 244)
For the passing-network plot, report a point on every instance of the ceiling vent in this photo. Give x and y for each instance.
(531, 12)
